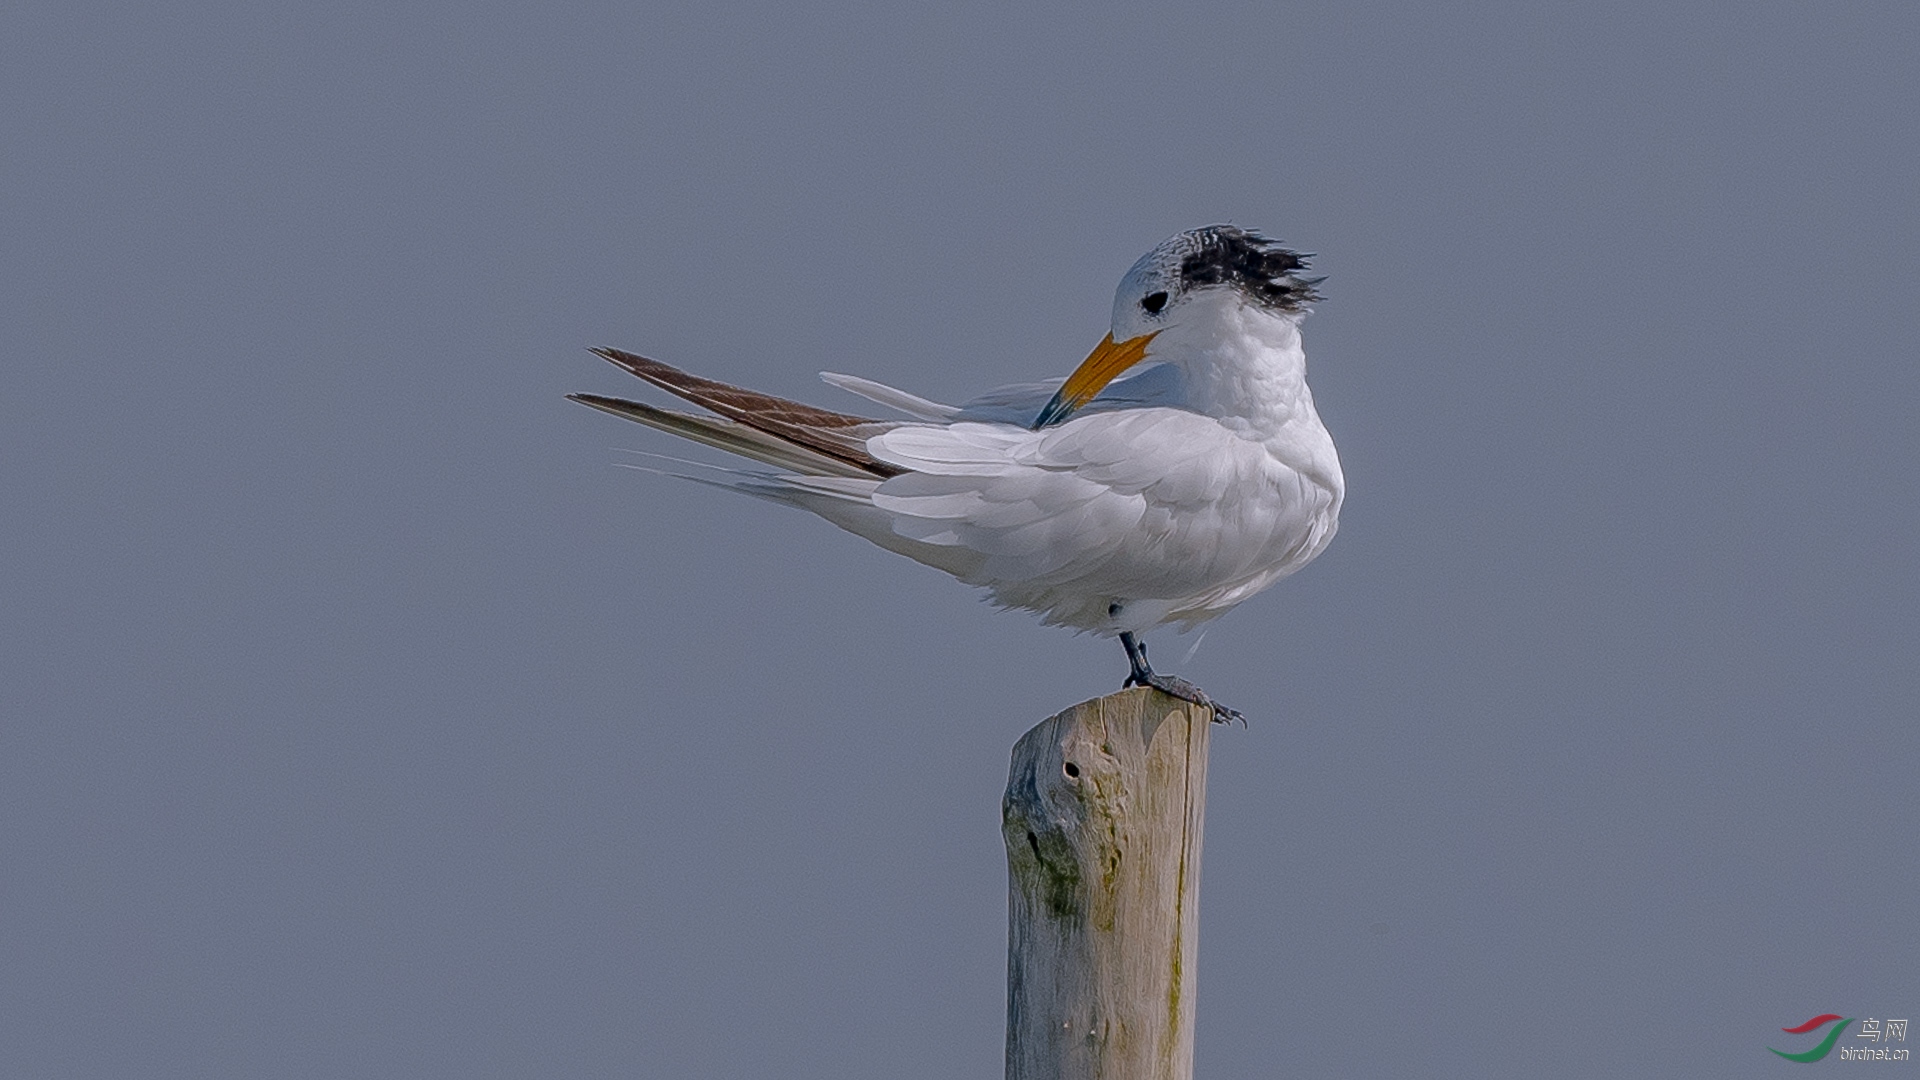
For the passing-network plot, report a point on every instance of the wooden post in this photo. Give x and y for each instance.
(1102, 819)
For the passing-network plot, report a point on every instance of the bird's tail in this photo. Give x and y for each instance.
(802, 436)
(724, 434)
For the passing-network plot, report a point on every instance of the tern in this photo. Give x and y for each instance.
(1180, 469)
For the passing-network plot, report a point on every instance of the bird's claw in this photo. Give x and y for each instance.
(1186, 691)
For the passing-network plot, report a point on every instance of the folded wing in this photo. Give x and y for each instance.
(1136, 504)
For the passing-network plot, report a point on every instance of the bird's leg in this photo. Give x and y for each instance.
(1142, 675)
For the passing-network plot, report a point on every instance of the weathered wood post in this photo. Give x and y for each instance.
(1102, 819)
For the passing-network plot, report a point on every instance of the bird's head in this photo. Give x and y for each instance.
(1187, 278)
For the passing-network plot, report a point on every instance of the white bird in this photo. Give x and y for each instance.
(1107, 504)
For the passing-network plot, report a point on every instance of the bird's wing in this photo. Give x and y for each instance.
(724, 434)
(839, 436)
(1017, 403)
(1020, 403)
(1142, 502)
(881, 394)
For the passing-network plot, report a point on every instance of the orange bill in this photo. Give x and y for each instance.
(1102, 366)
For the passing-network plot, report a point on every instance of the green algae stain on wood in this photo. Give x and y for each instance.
(1058, 873)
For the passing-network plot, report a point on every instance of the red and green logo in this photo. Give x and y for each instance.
(1826, 1044)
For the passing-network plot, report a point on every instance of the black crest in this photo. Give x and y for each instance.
(1263, 271)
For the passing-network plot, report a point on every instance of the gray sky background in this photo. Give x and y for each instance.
(360, 719)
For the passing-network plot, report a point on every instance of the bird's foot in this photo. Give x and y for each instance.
(1186, 691)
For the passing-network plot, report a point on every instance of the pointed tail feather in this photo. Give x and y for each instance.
(836, 435)
(724, 434)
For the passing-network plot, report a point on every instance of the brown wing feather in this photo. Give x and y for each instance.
(838, 435)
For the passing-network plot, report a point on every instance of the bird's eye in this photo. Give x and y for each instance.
(1153, 302)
